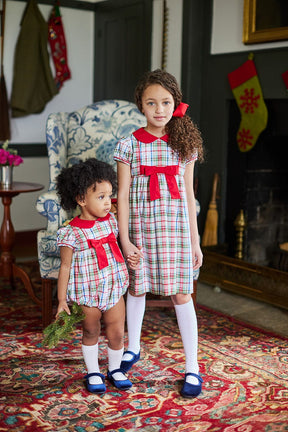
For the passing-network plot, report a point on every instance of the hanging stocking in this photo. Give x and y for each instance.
(58, 47)
(285, 79)
(247, 91)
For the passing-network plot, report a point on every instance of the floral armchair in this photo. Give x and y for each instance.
(92, 131)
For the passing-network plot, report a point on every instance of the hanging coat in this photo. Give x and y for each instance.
(33, 84)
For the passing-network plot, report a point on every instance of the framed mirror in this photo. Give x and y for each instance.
(265, 21)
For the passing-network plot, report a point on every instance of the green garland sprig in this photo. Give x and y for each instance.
(62, 328)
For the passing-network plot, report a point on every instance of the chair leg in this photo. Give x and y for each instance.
(194, 295)
(46, 302)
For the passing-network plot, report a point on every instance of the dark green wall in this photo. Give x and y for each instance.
(206, 85)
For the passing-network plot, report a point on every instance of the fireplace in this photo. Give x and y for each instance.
(257, 182)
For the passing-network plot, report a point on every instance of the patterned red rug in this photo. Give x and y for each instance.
(244, 370)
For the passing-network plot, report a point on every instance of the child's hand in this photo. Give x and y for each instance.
(63, 306)
(133, 260)
(197, 257)
(133, 256)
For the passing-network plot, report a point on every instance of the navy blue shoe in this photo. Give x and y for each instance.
(95, 388)
(191, 390)
(119, 384)
(126, 365)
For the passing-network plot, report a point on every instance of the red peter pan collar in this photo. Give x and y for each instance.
(145, 137)
(84, 223)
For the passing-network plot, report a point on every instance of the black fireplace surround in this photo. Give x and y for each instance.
(257, 182)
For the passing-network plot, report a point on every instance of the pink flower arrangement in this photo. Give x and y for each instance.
(9, 157)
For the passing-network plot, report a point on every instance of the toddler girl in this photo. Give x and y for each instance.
(93, 272)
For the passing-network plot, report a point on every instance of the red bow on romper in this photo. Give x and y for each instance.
(101, 253)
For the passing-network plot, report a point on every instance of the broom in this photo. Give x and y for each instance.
(4, 106)
(210, 237)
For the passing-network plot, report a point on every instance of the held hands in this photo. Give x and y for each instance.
(133, 256)
(62, 306)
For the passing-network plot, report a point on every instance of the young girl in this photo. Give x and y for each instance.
(157, 214)
(93, 272)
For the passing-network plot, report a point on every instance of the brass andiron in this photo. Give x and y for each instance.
(240, 225)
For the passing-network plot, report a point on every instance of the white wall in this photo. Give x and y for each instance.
(23, 213)
(227, 28)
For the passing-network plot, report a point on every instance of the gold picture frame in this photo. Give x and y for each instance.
(265, 21)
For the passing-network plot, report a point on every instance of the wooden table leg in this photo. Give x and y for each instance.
(21, 274)
(7, 239)
(8, 268)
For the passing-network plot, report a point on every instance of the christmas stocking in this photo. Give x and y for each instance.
(247, 91)
(58, 47)
(285, 79)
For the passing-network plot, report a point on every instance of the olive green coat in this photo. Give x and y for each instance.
(33, 84)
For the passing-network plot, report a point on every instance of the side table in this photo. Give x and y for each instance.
(8, 268)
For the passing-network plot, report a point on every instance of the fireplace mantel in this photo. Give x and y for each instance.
(259, 282)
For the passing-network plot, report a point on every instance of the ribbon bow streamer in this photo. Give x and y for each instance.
(181, 109)
(101, 253)
(169, 171)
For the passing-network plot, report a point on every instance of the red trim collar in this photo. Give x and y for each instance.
(145, 137)
(84, 223)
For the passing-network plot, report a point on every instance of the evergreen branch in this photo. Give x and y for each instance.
(62, 328)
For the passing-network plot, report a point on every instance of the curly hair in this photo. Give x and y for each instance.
(184, 136)
(72, 183)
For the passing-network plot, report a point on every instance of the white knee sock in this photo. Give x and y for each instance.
(90, 354)
(187, 322)
(135, 309)
(114, 361)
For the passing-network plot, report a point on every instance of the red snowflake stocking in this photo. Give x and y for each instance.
(247, 91)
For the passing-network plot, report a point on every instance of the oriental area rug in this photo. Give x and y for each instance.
(245, 372)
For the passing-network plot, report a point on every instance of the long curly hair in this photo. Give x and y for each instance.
(184, 136)
(72, 183)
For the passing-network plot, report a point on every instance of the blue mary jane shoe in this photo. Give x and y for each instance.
(95, 388)
(119, 384)
(191, 390)
(126, 365)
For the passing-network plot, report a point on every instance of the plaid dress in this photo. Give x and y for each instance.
(89, 284)
(160, 226)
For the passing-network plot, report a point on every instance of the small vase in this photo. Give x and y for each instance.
(6, 172)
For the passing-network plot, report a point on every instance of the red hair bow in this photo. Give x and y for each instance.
(180, 110)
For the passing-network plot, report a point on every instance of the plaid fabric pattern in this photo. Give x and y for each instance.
(161, 226)
(87, 284)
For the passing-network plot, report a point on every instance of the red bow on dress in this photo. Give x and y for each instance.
(180, 110)
(169, 171)
(101, 253)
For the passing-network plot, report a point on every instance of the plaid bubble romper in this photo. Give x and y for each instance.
(159, 219)
(98, 275)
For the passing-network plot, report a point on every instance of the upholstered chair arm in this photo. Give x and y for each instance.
(57, 142)
(48, 205)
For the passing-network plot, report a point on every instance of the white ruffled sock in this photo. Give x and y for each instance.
(135, 309)
(187, 322)
(90, 354)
